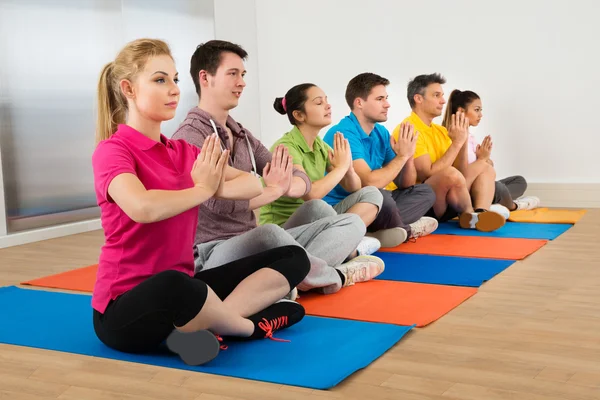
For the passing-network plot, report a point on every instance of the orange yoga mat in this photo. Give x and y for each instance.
(80, 279)
(401, 303)
(547, 216)
(470, 246)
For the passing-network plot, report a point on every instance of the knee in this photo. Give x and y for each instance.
(269, 235)
(354, 223)
(453, 177)
(300, 263)
(318, 209)
(519, 180)
(489, 171)
(181, 287)
(371, 195)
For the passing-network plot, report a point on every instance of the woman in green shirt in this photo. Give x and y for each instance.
(309, 112)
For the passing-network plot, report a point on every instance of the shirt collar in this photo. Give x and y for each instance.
(359, 128)
(139, 140)
(233, 125)
(419, 124)
(299, 139)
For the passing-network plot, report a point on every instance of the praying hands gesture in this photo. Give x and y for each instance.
(208, 169)
(484, 150)
(458, 130)
(406, 144)
(278, 173)
(342, 156)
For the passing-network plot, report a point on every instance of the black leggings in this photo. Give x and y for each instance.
(141, 319)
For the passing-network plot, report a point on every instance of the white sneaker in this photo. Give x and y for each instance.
(500, 209)
(527, 203)
(389, 237)
(361, 269)
(368, 246)
(423, 227)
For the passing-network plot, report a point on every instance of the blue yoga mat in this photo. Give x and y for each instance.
(516, 230)
(321, 354)
(441, 270)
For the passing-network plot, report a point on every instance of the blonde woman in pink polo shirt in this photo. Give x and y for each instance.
(149, 188)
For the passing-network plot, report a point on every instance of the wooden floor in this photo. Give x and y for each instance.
(532, 333)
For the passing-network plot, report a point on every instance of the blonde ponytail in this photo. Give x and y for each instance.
(111, 110)
(112, 105)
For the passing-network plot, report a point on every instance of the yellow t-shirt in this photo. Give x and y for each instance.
(433, 140)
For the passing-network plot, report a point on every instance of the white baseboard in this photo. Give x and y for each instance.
(36, 235)
(562, 195)
(566, 195)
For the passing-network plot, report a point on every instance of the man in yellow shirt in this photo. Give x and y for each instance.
(441, 157)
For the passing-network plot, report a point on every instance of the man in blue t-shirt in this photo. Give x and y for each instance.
(383, 162)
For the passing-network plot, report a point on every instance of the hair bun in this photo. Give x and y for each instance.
(278, 105)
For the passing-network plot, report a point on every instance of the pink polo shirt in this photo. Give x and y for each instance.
(133, 252)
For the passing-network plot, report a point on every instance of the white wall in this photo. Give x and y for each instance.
(534, 63)
(183, 24)
(235, 21)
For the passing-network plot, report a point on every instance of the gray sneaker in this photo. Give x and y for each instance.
(389, 237)
(423, 227)
(361, 269)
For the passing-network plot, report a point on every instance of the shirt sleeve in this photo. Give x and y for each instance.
(422, 147)
(191, 134)
(297, 160)
(294, 152)
(109, 160)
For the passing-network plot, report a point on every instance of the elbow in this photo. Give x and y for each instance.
(144, 213)
(311, 196)
(423, 176)
(368, 182)
(356, 186)
(256, 188)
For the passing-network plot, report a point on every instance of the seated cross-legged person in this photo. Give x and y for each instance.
(508, 193)
(308, 110)
(379, 160)
(441, 160)
(149, 188)
(229, 228)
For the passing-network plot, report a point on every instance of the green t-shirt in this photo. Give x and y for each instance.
(315, 162)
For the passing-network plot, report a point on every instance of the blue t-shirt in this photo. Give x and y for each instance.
(375, 149)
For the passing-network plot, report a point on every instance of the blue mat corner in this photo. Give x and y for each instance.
(321, 354)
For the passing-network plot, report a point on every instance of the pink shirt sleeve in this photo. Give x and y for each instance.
(109, 160)
(472, 148)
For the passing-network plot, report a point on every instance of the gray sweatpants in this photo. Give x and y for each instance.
(509, 189)
(320, 209)
(328, 242)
